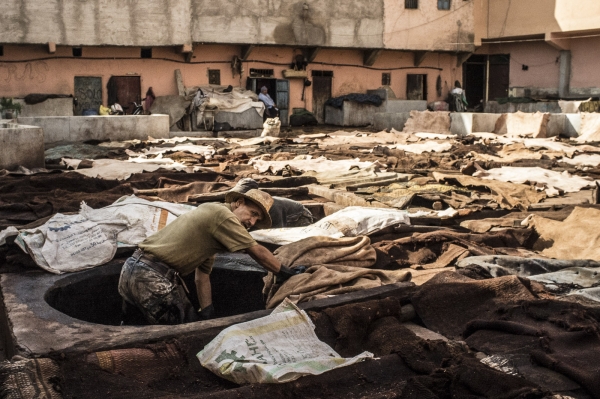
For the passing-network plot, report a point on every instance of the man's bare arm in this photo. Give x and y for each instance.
(264, 257)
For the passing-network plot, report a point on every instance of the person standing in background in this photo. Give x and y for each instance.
(149, 100)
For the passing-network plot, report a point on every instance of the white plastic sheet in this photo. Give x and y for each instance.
(278, 348)
(349, 222)
(69, 243)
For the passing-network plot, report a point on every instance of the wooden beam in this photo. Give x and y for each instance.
(461, 58)
(188, 51)
(246, 50)
(419, 57)
(370, 56)
(51, 47)
(179, 82)
(311, 53)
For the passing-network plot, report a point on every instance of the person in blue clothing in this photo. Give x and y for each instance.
(271, 109)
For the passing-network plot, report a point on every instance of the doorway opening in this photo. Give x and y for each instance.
(278, 89)
(416, 87)
(486, 78)
(321, 92)
(125, 90)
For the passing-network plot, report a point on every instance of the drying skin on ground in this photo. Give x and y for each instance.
(437, 265)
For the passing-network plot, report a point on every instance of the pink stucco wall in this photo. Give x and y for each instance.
(37, 71)
(585, 59)
(541, 59)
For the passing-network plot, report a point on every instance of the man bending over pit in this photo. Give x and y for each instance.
(151, 279)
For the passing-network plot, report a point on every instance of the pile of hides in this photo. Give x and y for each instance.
(522, 124)
(507, 195)
(428, 122)
(441, 249)
(335, 266)
(590, 128)
(371, 99)
(577, 237)
(503, 317)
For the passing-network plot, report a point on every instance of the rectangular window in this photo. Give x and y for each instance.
(214, 76)
(261, 73)
(411, 4)
(322, 73)
(77, 51)
(1, 51)
(386, 78)
(416, 87)
(146, 52)
(443, 4)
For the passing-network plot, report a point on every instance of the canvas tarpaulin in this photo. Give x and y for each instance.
(351, 221)
(68, 243)
(278, 348)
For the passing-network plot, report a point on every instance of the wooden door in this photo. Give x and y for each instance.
(321, 92)
(124, 90)
(499, 76)
(88, 92)
(474, 79)
(282, 99)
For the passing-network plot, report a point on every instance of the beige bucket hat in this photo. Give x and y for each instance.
(260, 198)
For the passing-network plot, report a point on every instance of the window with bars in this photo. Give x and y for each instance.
(386, 78)
(443, 4)
(214, 76)
(411, 4)
(261, 73)
(146, 52)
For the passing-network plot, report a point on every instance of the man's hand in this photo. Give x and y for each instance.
(286, 272)
(207, 313)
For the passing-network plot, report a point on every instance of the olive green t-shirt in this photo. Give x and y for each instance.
(194, 238)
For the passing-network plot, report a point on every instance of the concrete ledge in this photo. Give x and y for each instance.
(398, 106)
(116, 128)
(385, 120)
(21, 145)
(247, 120)
(352, 114)
(50, 107)
(494, 107)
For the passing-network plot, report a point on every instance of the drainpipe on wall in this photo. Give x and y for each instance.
(564, 79)
(487, 78)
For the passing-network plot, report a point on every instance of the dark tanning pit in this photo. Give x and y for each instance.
(92, 295)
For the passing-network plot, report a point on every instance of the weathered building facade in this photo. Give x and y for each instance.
(535, 48)
(92, 48)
